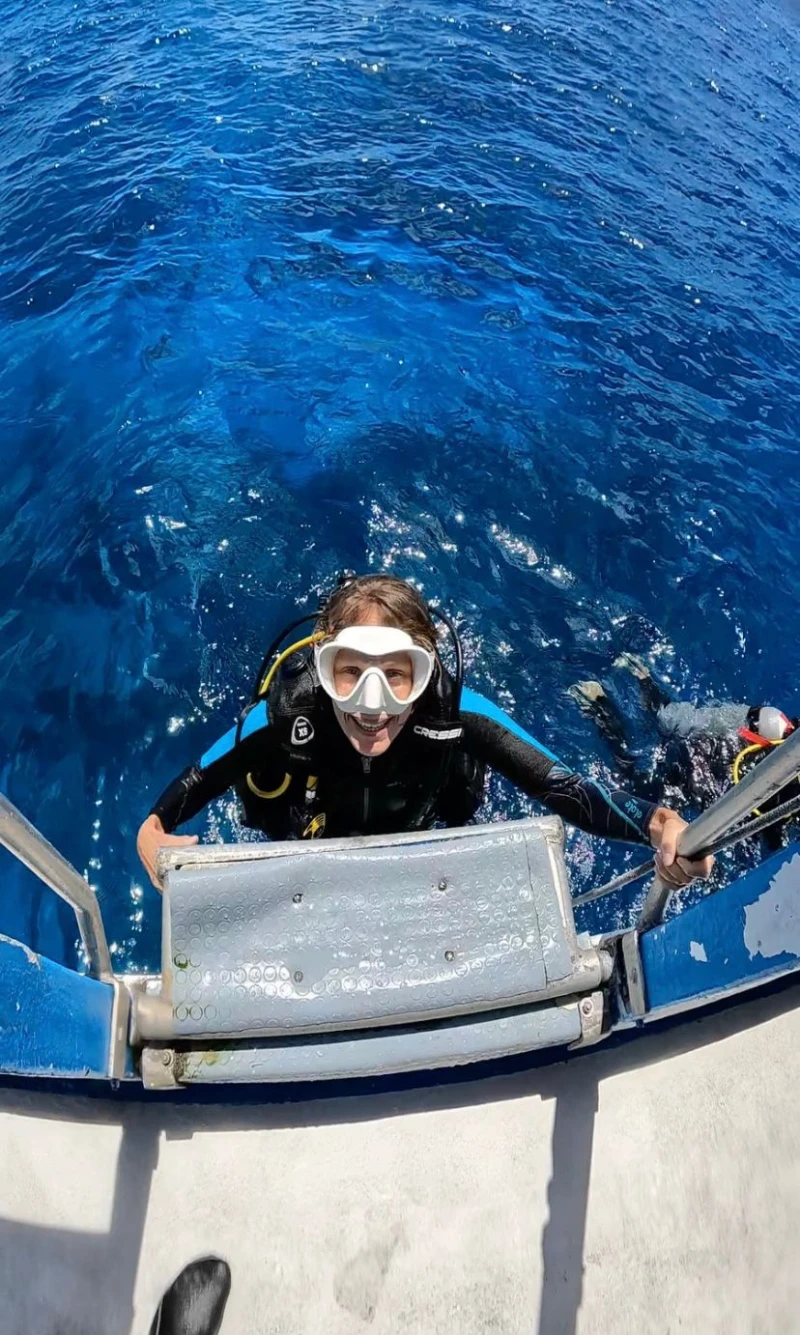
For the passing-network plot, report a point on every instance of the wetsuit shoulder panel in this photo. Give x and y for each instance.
(256, 718)
(473, 703)
(220, 748)
(492, 737)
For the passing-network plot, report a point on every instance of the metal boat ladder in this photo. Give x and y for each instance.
(355, 957)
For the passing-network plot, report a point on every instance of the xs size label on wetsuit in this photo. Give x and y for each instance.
(302, 731)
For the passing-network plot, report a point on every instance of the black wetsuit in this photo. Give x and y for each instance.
(299, 777)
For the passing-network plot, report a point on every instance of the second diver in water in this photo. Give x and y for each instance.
(702, 749)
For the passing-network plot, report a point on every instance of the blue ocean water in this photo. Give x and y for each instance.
(501, 297)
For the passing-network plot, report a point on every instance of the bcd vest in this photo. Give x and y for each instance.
(314, 783)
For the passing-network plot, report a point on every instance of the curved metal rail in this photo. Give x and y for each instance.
(762, 783)
(30, 847)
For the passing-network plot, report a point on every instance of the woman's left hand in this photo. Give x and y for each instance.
(666, 828)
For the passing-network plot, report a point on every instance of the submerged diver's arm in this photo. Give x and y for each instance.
(219, 769)
(580, 800)
(192, 790)
(251, 745)
(577, 799)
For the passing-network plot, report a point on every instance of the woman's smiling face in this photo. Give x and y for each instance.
(372, 734)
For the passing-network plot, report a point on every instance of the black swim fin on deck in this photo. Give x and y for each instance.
(194, 1303)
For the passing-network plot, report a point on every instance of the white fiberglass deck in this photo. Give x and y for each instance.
(652, 1188)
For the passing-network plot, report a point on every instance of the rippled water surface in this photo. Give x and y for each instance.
(501, 297)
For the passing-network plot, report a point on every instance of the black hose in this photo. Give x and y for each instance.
(459, 653)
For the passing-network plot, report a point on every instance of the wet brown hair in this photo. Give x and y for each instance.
(398, 603)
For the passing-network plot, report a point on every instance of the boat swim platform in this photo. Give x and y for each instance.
(650, 1188)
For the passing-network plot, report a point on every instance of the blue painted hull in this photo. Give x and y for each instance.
(742, 937)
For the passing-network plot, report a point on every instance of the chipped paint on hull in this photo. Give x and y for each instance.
(772, 923)
(29, 954)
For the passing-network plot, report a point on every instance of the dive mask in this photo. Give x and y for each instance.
(372, 693)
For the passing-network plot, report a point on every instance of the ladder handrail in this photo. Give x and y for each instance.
(763, 782)
(31, 848)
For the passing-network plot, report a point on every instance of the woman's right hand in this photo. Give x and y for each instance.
(153, 836)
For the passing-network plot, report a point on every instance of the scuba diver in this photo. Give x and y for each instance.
(359, 728)
(703, 749)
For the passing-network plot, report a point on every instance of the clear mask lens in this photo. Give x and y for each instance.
(372, 692)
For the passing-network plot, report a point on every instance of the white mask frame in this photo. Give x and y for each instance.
(372, 693)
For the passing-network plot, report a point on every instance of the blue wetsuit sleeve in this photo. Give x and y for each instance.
(220, 768)
(576, 798)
